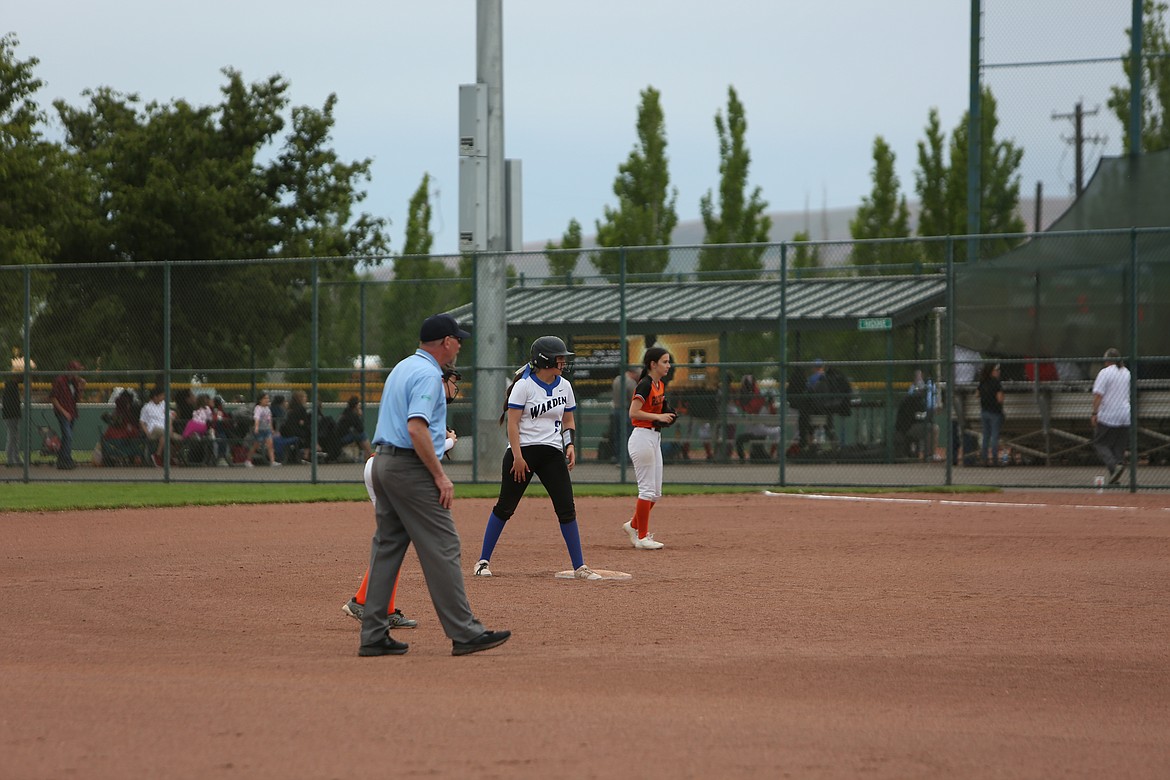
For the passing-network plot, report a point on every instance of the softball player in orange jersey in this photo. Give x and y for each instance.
(649, 413)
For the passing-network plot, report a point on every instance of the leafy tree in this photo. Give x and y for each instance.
(563, 257)
(882, 214)
(645, 215)
(36, 190)
(930, 182)
(803, 255)
(740, 219)
(180, 182)
(1156, 81)
(942, 188)
(419, 237)
(1000, 179)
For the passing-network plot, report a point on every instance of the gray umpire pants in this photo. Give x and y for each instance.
(408, 511)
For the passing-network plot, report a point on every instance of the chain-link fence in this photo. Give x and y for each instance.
(801, 368)
(1055, 71)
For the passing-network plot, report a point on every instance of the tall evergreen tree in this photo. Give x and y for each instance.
(942, 186)
(930, 182)
(882, 214)
(563, 257)
(740, 219)
(419, 237)
(1000, 178)
(803, 255)
(1156, 81)
(645, 215)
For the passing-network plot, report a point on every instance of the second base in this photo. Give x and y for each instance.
(606, 574)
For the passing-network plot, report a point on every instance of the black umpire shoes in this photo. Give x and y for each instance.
(389, 647)
(485, 641)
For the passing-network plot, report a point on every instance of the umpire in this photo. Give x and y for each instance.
(414, 495)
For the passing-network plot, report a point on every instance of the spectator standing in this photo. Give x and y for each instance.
(1111, 414)
(990, 413)
(12, 411)
(262, 431)
(65, 395)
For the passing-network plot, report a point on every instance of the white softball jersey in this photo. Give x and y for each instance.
(543, 408)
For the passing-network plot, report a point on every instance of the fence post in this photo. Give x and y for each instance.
(1133, 360)
(623, 346)
(27, 438)
(166, 291)
(313, 357)
(956, 430)
(782, 454)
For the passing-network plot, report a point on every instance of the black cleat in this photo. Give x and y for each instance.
(485, 641)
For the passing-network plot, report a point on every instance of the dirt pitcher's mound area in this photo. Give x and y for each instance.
(773, 636)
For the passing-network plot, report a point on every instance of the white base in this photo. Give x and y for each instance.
(606, 574)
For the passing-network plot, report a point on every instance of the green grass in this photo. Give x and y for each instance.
(59, 496)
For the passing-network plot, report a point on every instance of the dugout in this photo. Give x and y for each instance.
(874, 307)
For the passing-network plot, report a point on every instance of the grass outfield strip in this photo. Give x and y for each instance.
(59, 496)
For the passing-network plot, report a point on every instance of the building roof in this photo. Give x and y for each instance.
(704, 307)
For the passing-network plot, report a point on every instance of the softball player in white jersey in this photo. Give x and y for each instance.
(541, 438)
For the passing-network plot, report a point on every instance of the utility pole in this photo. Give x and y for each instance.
(1079, 140)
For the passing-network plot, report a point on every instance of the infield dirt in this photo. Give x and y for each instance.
(772, 637)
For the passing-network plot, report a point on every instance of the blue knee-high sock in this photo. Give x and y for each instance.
(491, 535)
(573, 542)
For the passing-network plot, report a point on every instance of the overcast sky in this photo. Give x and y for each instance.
(819, 80)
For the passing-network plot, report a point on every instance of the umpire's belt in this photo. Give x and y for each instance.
(390, 449)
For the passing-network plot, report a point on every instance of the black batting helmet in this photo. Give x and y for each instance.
(545, 351)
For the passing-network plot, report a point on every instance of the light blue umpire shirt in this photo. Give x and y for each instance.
(413, 389)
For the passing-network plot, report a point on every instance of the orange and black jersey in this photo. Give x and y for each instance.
(653, 395)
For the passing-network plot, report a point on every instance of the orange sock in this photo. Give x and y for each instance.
(360, 596)
(642, 516)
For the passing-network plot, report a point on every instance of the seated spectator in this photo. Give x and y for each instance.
(122, 439)
(153, 422)
(200, 422)
(279, 412)
(328, 440)
(184, 408)
(351, 429)
(915, 431)
(221, 426)
(297, 424)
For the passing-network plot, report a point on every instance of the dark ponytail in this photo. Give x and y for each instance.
(508, 393)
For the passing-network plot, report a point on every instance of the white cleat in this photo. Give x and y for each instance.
(583, 572)
(632, 532)
(481, 569)
(647, 543)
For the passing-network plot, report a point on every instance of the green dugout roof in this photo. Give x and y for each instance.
(704, 307)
